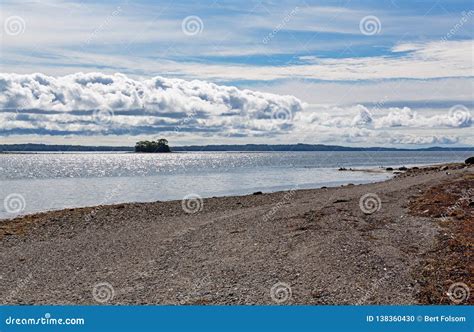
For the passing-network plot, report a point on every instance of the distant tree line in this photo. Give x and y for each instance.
(248, 147)
(30, 147)
(153, 146)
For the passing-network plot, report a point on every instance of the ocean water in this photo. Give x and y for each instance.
(49, 181)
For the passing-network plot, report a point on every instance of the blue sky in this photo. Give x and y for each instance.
(404, 67)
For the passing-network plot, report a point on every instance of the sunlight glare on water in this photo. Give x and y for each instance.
(61, 180)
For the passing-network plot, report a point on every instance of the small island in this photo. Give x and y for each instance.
(160, 146)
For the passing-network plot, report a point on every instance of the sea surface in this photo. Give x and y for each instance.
(49, 181)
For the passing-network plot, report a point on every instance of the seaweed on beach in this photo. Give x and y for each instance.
(451, 261)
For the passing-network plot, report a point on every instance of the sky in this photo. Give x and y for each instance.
(355, 73)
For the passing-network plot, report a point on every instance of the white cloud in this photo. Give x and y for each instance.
(359, 124)
(363, 118)
(423, 140)
(432, 60)
(459, 116)
(402, 92)
(116, 104)
(97, 104)
(406, 117)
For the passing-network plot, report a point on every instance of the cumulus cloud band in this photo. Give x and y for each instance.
(96, 103)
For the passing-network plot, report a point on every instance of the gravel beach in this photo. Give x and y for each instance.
(380, 243)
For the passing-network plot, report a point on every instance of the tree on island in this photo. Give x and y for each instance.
(153, 146)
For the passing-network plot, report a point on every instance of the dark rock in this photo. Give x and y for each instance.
(342, 169)
(340, 201)
(257, 193)
(403, 168)
(389, 169)
(469, 161)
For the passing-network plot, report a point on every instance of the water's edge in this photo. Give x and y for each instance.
(333, 184)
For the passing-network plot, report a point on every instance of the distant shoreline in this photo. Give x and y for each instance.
(37, 148)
